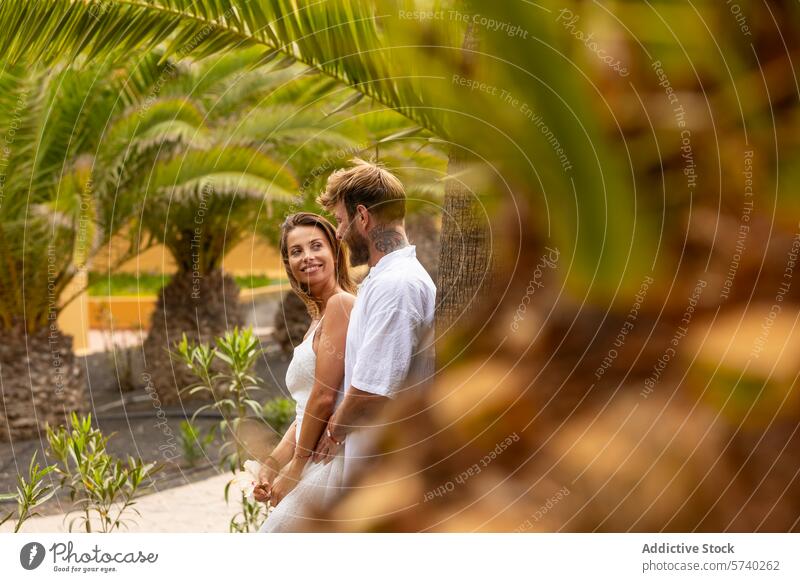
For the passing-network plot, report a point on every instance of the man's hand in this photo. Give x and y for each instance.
(285, 482)
(266, 477)
(328, 447)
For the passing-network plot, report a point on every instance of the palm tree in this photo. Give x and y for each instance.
(237, 117)
(465, 252)
(203, 203)
(413, 74)
(200, 196)
(507, 121)
(63, 194)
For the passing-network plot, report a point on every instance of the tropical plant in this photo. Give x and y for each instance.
(412, 74)
(101, 487)
(209, 129)
(566, 149)
(31, 493)
(252, 513)
(253, 131)
(250, 518)
(194, 442)
(279, 413)
(231, 387)
(64, 192)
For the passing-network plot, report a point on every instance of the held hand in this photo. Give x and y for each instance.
(328, 447)
(266, 477)
(285, 482)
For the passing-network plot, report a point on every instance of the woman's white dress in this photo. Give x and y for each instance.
(319, 483)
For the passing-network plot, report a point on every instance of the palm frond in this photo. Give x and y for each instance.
(195, 163)
(203, 202)
(339, 37)
(227, 185)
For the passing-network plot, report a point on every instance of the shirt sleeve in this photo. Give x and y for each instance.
(391, 322)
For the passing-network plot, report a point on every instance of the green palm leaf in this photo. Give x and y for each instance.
(412, 69)
(338, 37)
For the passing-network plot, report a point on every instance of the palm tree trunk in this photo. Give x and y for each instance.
(465, 261)
(41, 382)
(203, 308)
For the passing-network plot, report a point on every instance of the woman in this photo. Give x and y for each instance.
(317, 267)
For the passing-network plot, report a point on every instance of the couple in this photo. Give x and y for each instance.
(359, 351)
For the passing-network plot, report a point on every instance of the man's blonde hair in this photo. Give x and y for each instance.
(369, 184)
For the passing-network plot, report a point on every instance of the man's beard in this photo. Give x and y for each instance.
(359, 248)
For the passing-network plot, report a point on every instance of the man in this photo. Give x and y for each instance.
(389, 346)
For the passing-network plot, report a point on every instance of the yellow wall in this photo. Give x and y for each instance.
(252, 256)
(133, 312)
(73, 319)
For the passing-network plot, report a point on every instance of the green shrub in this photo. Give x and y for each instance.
(30, 493)
(193, 442)
(103, 285)
(231, 388)
(97, 482)
(279, 414)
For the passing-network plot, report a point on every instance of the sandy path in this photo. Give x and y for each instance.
(196, 507)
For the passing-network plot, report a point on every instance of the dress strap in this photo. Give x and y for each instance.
(313, 332)
(316, 328)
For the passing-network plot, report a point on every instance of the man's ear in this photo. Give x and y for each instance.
(363, 215)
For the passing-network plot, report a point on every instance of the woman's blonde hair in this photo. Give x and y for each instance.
(339, 253)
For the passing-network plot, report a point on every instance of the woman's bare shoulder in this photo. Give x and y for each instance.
(340, 304)
(337, 313)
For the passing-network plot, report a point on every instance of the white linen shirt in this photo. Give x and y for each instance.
(390, 337)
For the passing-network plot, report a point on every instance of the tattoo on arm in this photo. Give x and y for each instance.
(386, 239)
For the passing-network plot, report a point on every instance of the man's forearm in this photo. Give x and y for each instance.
(356, 410)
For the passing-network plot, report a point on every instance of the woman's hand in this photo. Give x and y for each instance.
(327, 447)
(286, 481)
(266, 478)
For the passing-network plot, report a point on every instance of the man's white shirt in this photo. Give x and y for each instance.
(390, 337)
